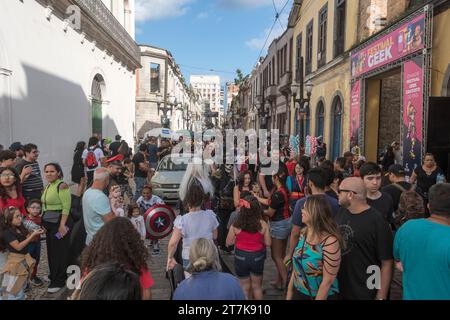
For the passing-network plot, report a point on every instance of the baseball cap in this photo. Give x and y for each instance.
(397, 169)
(16, 146)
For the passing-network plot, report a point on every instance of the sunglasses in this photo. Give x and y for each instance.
(7, 175)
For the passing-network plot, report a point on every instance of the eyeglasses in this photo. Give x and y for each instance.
(7, 175)
(344, 190)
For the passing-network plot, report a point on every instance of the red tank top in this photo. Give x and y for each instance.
(252, 242)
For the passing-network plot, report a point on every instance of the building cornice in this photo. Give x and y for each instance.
(5, 72)
(99, 26)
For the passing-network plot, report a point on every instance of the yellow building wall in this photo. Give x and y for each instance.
(440, 52)
(337, 79)
(372, 119)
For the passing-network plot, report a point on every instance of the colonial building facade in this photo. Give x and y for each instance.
(162, 91)
(67, 71)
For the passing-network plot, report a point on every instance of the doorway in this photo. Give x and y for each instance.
(438, 138)
(383, 112)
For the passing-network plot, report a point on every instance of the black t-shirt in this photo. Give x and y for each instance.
(384, 205)
(277, 202)
(424, 181)
(163, 151)
(332, 194)
(268, 177)
(114, 147)
(395, 192)
(122, 179)
(368, 241)
(137, 159)
(10, 236)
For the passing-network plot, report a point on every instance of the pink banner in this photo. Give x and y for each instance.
(406, 39)
(355, 113)
(412, 113)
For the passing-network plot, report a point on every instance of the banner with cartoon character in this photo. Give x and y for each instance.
(401, 42)
(412, 113)
(355, 113)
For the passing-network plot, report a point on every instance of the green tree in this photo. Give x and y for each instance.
(240, 77)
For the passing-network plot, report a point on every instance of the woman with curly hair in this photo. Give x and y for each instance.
(250, 234)
(130, 251)
(411, 206)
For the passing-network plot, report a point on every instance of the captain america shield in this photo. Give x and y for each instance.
(159, 221)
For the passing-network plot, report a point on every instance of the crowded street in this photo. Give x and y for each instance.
(146, 155)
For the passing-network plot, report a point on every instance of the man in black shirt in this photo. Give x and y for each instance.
(367, 258)
(114, 147)
(164, 150)
(381, 201)
(398, 184)
(30, 173)
(141, 170)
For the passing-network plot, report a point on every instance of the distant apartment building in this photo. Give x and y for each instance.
(209, 89)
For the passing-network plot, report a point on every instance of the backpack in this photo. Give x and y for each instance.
(400, 217)
(91, 160)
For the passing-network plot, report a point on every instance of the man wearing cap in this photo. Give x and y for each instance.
(396, 174)
(17, 147)
(114, 147)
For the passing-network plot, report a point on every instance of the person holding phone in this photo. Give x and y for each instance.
(56, 204)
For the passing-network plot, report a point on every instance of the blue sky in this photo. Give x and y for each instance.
(213, 34)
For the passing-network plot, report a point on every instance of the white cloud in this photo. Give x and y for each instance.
(160, 9)
(203, 15)
(258, 42)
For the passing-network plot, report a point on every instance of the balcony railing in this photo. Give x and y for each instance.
(271, 92)
(98, 12)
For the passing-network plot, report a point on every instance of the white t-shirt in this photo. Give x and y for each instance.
(139, 224)
(144, 205)
(195, 225)
(98, 155)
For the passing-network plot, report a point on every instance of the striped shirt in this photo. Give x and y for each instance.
(34, 181)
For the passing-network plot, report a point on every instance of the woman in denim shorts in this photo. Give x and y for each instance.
(250, 235)
(279, 214)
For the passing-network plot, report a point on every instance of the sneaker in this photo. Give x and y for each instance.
(156, 252)
(36, 282)
(53, 290)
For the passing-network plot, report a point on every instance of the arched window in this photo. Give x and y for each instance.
(336, 129)
(97, 99)
(320, 116)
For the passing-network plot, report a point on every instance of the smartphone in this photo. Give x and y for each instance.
(58, 234)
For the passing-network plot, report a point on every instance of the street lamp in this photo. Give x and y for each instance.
(297, 90)
(165, 122)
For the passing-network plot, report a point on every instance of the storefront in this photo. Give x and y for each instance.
(390, 89)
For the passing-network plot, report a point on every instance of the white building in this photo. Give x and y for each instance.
(161, 83)
(209, 89)
(65, 76)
